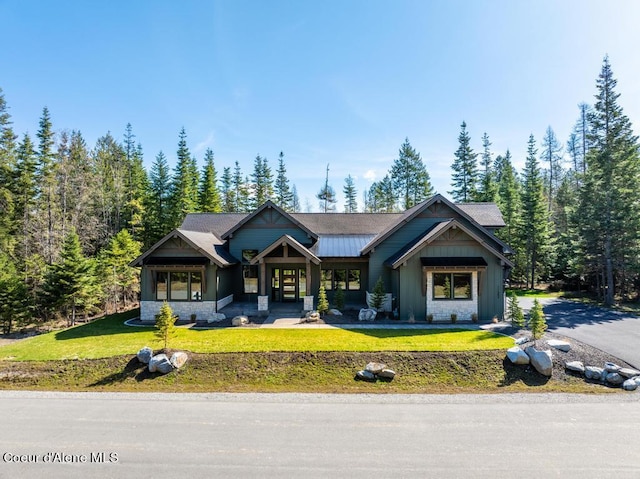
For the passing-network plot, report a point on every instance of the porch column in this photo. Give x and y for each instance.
(263, 277)
(308, 282)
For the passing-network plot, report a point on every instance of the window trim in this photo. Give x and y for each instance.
(451, 275)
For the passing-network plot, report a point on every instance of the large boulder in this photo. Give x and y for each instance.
(575, 366)
(386, 373)
(160, 363)
(611, 367)
(365, 376)
(334, 312)
(629, 373)
(541, 360)
(239, 321)
(517, 355)
(178, 359)
(629, 385)
(216, 318)
(375, 368)
(561, 345)
(614, 379)
(145, 355)
(366, 314)
(312, 316)
(594, 372)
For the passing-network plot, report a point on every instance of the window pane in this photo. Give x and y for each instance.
(179, 286)
(161, 285)
(340, 277)
(250, 276)
(441, 286)
(327, 276)
(196, 286)
(302, 282)
(462, 286)
(354, 279)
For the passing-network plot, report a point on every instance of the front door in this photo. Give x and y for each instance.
(289, 285)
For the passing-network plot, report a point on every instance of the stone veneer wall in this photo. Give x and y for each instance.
(442, 309)
(203, 310)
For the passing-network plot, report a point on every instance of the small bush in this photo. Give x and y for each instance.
(454, 318)
(323, 303)
(429, 318)
(338, 297)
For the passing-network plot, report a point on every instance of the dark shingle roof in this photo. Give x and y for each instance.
(485, 214)
(216, 223)
(346, 223)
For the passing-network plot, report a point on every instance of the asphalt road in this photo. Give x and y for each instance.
(318, 436)
(611, 331)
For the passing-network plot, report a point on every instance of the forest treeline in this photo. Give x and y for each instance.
(73, 216)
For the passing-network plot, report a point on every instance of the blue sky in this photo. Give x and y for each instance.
(332, 82)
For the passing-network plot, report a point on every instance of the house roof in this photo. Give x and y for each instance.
(286, 239)
(346, 223)
(340, 246)
(431, 234)
(485, 214)
(207, 244)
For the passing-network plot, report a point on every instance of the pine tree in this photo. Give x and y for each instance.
(465, 169)
(70, 285)
(119, 281)
(165, 322)
(338, 297)
(535, 217)
(25, 194)
(515, 311)
(323, 303)
(240, 191)
(7, 166)
(14, 300)
(551, 155)
(611, 225)
(183, 198)
(262, 178)
(295, 201)
(378, 295)
(409, 176)
(488, 186)
(282, 191)
(350, 194)
(46, 183)
(327, 196)
(537, 321)
(158, 221)
(227, 191)
(209, 195)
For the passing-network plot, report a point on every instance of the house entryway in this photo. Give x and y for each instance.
(288, 285)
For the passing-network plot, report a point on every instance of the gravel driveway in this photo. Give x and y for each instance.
(611, 331)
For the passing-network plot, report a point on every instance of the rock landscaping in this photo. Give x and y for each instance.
(374, 371)
(608, 373)
(161, 363)
(366, 314)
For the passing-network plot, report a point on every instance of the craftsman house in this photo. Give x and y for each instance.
(435, 259)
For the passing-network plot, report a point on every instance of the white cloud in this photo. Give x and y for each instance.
(370, 175)
(207, 142)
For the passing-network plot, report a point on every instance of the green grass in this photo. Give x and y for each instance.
(536, 293)
(110, 337)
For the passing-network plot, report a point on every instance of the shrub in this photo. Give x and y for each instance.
(515, 312)
(378, 296)
(165, 322)
(429, 318)
(454, 318)
(323, 304)
(537, 320)
(338, 297)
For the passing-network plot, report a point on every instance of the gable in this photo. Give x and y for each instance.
(270, 217)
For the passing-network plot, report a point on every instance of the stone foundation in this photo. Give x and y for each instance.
(442, 309)
(204, 310)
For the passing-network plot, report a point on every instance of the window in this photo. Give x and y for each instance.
(302, 283)
(178, 286)
(250, 278)
(327, 279)
(354, 280)
(348, 279)
(452, 285)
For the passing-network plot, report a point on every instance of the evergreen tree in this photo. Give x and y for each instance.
(240, 191)
(378, 295)
(295, 201)
(465, 169)
(515, 311)
(262, 181)
(282, 191)
(409, 177)
(612, 176)
(46, 183)
(338, 297)
(165, 322)
(323, 303)
(139, 188)
(183, 197)
(537, 321)
(158, 217)
(25, 194)
(209, 196)
(227, 191)
(7, 166)
(488, 186)
(14, 300)
(535, 217)
(350, 194)
(551, 155)
(119, 281)
(327, 196)
(70, 284)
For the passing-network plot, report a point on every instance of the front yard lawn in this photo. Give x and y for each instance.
(110, 337)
